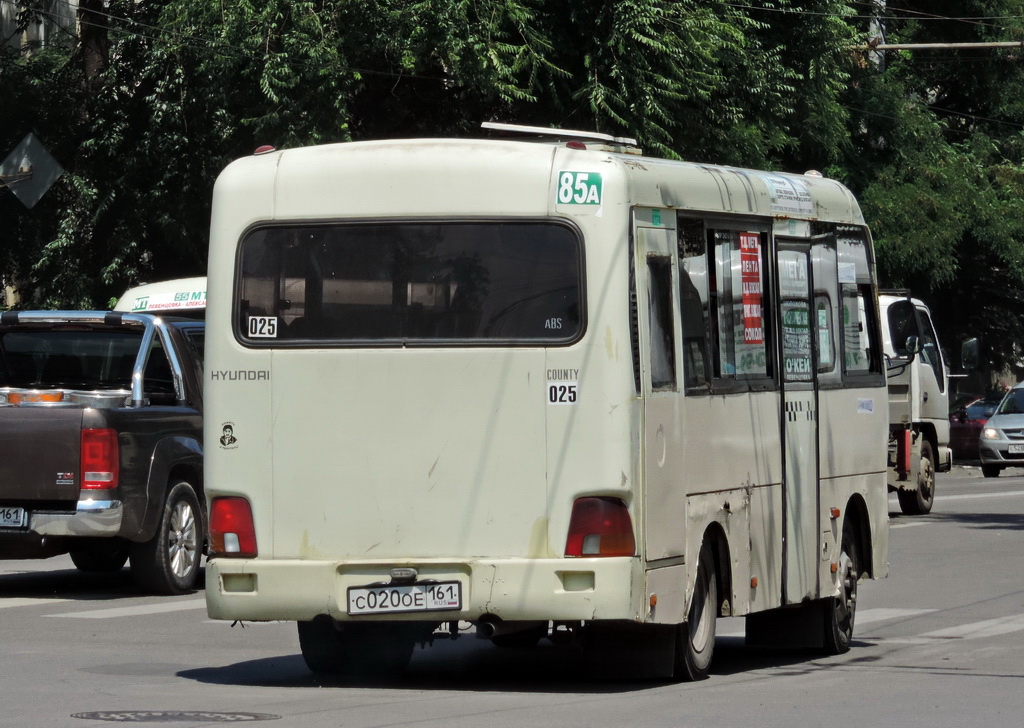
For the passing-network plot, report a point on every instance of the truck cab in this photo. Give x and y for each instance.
(918, 384)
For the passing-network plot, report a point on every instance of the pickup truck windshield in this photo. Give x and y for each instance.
(70, 359)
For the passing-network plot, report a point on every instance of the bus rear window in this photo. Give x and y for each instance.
(411, 282)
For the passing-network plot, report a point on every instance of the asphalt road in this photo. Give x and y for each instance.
(939, 643)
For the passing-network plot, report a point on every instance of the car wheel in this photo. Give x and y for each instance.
(169, 562)
(100, 556)
(990, 471)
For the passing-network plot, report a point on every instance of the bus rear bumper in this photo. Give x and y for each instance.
(504, 589)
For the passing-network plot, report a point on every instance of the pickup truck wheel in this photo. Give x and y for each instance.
(101, 556)
(918, 502)
(169, 562)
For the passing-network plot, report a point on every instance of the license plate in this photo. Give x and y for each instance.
(1016, 449)
(439, 596)
(13, 517)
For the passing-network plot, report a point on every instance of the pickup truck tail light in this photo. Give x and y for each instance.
(600, 527)
(99, 459)
(232, 532)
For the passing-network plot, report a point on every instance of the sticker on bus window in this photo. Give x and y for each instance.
(263, 327)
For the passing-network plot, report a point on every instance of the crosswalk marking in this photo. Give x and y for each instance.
(136, 611)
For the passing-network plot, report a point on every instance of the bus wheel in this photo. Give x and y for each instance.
(918, 502)
(355, 650)
(695, 638)
(169, 562)
(841, 610)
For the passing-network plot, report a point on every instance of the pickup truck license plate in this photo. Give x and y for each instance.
(439, 596)
(1016, 449)
(13, 517)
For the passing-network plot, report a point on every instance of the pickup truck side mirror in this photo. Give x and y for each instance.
(969, 354)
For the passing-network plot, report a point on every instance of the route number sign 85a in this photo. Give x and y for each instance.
(579, 188)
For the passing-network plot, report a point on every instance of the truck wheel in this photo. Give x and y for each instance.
(918, 502)
(355, 649)
(169, 562)
(100, 556)
(990, 471)
(695, 638)
(841, 610)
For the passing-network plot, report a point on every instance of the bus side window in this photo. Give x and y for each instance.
(659, 292)
(860, 331)
(693, 305)
(737, 299)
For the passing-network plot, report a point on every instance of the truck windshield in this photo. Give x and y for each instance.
(410, 282)
(71, 359)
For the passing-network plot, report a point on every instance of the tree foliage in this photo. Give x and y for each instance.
(931, 140)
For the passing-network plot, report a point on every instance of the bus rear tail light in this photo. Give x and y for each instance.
(100, 456)
(232, 531)
(600, 527)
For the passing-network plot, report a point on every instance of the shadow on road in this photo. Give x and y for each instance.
(476, 666)
(72, 584)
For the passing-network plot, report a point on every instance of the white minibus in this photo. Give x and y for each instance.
(546, 386)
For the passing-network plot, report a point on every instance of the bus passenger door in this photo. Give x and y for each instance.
(664, 500)
(799, 426)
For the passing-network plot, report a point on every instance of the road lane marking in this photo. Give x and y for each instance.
(136, 611)
(882, 614)
(972, 496)
(865, 616)
(976, 630)
(29, 602)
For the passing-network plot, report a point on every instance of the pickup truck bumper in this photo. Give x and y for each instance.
(91, 518)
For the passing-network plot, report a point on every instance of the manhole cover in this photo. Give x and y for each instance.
(173, 716)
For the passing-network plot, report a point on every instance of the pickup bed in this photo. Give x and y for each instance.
(101, 452)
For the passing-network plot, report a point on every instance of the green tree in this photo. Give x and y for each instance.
(939, 165)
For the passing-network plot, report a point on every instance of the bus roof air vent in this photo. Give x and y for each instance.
(578, 139)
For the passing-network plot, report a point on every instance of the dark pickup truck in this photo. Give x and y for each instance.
(101, 448)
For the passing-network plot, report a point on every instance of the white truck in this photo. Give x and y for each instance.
(918, 382)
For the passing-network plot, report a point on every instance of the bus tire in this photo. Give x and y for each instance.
(100, 555)
(841, 610)
(355, 649)
(695, 638)
(919, 501)
(169, 562)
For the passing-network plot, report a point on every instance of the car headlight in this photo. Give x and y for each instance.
(990, 433)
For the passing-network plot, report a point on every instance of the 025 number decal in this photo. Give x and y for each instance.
(263, 327)
(563, 392)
